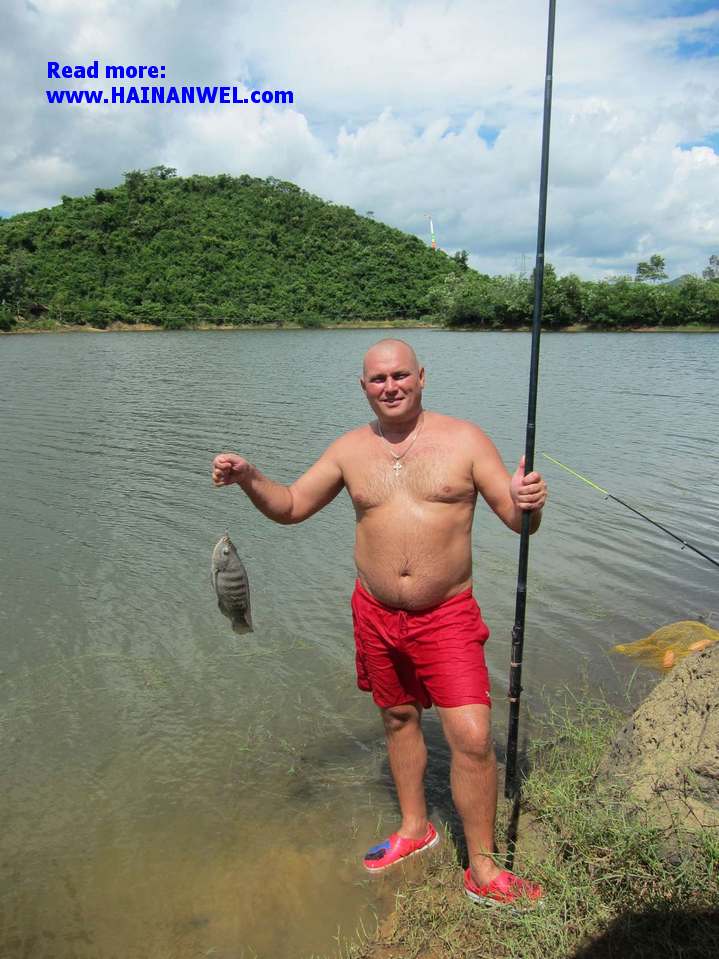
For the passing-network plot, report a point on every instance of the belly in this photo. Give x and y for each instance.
(417, 559)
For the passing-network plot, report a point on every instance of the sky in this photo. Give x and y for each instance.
(400, 108)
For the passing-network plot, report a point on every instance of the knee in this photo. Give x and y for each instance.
(473, 744)
(396, 718)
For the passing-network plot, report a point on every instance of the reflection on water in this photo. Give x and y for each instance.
(171, 789)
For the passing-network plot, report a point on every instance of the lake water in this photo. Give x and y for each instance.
(173, 790)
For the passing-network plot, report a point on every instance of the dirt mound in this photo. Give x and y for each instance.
(667, 755)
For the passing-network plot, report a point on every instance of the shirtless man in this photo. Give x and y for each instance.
(413, 477)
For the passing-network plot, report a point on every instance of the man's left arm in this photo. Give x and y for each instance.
(509, 496)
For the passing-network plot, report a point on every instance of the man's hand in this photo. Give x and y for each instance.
(282, 504)
(228, 468)
(528, 492)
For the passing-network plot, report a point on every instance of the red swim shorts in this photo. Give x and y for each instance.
(432, 656)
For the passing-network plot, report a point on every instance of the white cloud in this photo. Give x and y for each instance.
(391, 100)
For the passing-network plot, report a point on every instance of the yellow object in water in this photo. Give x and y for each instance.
(698, 647)
(667, 646)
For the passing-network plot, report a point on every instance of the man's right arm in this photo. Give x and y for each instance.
(283, 504)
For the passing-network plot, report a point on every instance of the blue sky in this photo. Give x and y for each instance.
(689, 8)
(402, 108)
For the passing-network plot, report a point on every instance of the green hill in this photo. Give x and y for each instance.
(172, 251)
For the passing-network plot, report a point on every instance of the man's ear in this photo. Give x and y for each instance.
(362, 384)
(421, 376)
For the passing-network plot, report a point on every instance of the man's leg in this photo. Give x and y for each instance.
(408, 761)
(474, 782)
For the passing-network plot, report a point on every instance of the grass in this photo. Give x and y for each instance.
(616, 885)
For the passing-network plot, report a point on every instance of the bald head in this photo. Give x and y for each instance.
(391, 350)
(393, 380)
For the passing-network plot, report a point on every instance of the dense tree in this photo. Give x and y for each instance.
(653, 269)
(14, 278)
(505, 302)
(174, 251)
(218, 249)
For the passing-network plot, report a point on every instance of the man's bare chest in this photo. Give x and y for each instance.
(377, 479)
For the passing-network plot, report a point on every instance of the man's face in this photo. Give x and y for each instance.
(393, 383)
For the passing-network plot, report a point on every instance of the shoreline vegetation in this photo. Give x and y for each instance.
(618, 881)
(25, 327)
(199, 252)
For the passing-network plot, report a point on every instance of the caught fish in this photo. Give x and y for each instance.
(229, 580)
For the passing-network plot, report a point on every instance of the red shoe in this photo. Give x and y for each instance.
(505, 890)
(397, 848)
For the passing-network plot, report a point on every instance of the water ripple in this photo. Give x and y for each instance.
(138, 725)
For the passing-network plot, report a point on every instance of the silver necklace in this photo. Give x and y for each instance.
(397, 465)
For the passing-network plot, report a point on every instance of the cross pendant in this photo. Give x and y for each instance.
(397, 467)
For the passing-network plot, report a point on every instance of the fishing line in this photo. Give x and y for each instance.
(616, 499)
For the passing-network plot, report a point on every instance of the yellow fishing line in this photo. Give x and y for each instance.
(616, 499)
(574, 473)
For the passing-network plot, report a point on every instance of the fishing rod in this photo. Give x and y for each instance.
(632, 508)
(515, 672)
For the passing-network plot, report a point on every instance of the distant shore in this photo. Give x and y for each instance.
(219, 327)
(30, 328)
